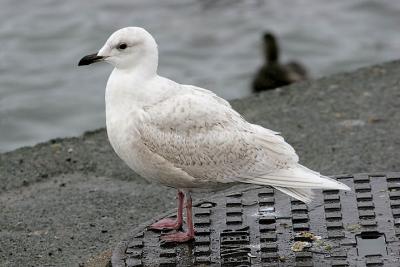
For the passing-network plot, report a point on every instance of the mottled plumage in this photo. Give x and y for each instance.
(187, 137)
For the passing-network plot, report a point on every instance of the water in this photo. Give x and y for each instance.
(210, 43)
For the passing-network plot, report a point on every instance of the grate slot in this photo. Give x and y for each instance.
(362, 228)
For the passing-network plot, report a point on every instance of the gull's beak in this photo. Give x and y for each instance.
(89, 59)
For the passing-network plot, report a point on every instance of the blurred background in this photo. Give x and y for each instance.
(214, 44)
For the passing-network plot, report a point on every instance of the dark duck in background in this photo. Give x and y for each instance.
(273, 74)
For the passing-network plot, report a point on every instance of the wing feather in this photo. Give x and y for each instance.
(214, 143)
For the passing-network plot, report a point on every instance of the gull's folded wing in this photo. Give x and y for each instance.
(210, 141)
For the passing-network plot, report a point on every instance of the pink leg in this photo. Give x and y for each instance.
(169, 223)
(189, 234)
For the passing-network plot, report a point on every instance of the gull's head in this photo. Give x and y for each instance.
(126, 48)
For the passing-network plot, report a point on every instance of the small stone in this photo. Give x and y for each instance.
(372, 120)
(353, 227)
(308, 236)
(55, 146)
(300, 246)
(352, 123)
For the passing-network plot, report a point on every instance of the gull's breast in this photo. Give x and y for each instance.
(125, 138)
(123, 134)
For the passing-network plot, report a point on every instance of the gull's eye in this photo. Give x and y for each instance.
(122, 46)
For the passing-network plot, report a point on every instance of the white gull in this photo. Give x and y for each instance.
(187, 137)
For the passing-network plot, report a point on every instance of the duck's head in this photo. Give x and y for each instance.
(126, 48)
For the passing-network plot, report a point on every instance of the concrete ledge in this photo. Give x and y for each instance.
(67, 200)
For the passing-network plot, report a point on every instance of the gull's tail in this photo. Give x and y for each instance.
(304, 194)
(298, 182)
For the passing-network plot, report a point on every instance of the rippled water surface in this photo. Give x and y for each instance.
(210, 43)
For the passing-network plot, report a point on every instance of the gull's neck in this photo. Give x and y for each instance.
(135, 87)
(128, 88)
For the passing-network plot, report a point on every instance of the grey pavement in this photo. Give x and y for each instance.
(67, 200)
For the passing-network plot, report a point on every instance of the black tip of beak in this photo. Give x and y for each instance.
(89, 59)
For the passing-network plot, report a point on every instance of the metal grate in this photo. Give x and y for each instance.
(261, 227)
